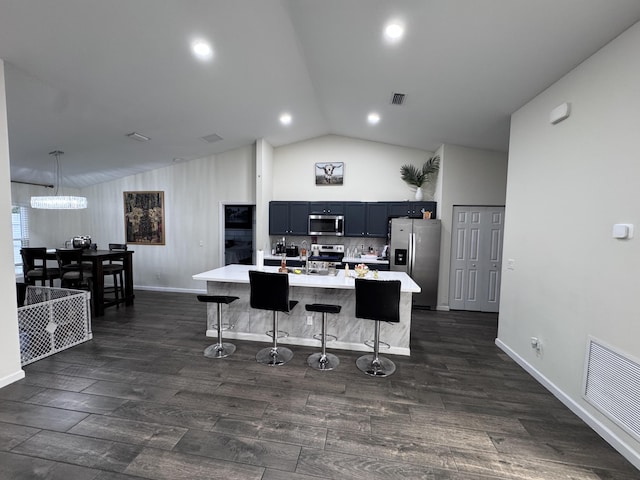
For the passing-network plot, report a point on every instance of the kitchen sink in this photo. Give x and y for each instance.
(311, 271)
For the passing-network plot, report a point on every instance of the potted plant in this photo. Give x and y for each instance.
(419, 176)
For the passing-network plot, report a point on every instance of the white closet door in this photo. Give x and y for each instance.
(476, 256)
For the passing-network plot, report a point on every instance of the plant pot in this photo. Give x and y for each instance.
(419, 194)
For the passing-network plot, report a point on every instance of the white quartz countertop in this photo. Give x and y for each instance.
(240, 274)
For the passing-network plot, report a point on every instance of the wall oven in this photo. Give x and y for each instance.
(326, 225)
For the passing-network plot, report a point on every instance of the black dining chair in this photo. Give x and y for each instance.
(34, 266)
(270, 291)
(377, 300)
(115, 268)
(72, 271)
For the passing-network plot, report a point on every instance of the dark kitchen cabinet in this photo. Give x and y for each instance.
(355, 219)
(377, 219)
(326, 208)
(363, 219)
(411, 209)
(288, 218)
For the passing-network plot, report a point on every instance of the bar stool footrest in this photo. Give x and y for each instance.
(281, 334)
(330, 338)
(372, 343)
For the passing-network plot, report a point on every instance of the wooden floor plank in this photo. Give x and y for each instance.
(163, 465)
(245, 450)
(78, 450)
(129, 431)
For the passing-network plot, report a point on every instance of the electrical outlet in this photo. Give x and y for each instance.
(310, 320)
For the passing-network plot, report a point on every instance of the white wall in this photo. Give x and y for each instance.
(264, 192)
(10, 368)
(567, 185)
(193, 192)
(468, 176)
(371, 170)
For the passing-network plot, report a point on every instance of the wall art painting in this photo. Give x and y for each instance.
(331, 173)
(144, 218)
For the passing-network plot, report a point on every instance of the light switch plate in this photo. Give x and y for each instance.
(622, 230)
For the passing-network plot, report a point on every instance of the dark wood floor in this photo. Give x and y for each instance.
(140, 401)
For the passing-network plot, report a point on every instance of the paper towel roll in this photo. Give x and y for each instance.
(260, 259)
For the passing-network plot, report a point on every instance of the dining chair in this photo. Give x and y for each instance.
(72, 272)
(115, 268)
(34, 266)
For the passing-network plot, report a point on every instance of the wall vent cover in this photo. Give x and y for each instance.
(214, 137)
(612, 385)
(397, 98)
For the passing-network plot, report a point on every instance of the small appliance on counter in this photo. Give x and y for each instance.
(292, 250)
(81, 241)
(331, 254)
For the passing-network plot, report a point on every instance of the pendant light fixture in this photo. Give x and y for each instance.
(58, 202)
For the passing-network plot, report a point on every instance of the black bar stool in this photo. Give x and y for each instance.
(380, 301)
(270, 291)
(219, 349)
(323, 360)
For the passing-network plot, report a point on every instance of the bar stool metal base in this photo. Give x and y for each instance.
(381, 368)
(274, 356)
(323, 362)
(218, 350)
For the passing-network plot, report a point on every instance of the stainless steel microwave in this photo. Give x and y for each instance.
(326, 225)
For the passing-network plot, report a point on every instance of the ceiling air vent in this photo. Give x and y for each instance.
(397, 98)
(214, 137)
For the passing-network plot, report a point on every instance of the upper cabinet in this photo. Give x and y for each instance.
(361, 219)
(411, 209)
(326, 208)
(355, 219)
(377, 219)
(288, 218)
(365, 219)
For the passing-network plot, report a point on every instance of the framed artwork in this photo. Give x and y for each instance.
(144, 218)
(331, 173)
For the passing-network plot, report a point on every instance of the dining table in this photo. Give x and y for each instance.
(97, 259)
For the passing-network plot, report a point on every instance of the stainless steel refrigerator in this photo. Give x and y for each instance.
(415, 249)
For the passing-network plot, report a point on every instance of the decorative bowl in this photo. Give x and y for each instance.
(361, 270)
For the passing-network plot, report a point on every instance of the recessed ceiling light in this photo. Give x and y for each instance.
(285, 119)
(394, 31)
(202, 49)
(373, 118)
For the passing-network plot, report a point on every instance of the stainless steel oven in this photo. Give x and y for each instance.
(326, 225)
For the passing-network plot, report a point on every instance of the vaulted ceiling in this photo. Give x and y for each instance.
(82, 74)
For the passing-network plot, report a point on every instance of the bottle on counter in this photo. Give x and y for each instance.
(283, 264)
(346, 270)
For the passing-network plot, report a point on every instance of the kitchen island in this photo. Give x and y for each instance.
(352, 332)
